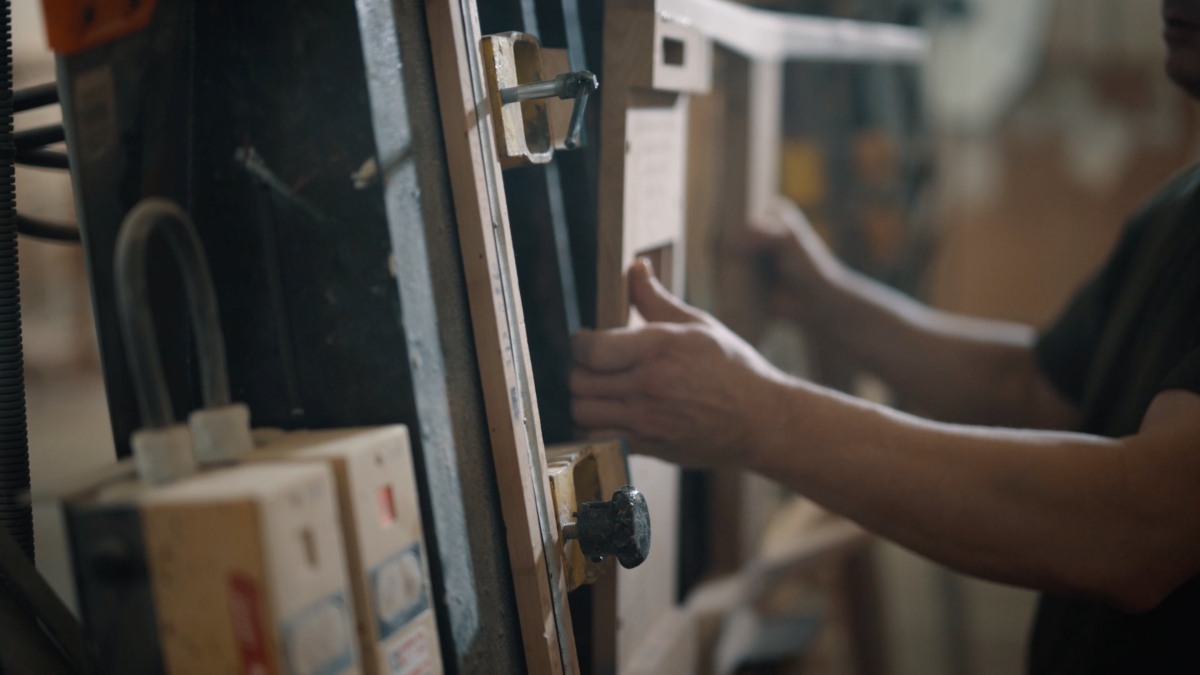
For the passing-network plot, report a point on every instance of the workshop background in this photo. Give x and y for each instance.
(1040, 126)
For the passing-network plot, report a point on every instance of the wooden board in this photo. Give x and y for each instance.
(651, 63)
(651, 196)
(500, 343)
(776, 36)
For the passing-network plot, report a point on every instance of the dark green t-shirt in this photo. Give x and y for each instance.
(1133, 331)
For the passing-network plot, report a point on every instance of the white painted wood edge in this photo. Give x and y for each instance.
(774, 36)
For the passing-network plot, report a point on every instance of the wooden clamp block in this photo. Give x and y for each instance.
(652, 60)
(522, 128)
(583, 472)
(236, 570)
(385, 546)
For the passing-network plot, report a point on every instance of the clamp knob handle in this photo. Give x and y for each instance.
(619, 527)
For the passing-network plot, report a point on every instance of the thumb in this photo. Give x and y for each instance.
(654, 301)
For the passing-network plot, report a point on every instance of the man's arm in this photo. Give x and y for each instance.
(1113, 519)
(951, 367)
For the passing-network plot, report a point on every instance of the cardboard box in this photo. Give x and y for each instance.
(385, 546)
(240, 570)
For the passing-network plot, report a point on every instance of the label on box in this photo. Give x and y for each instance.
(398, 590)
(245, 610)
(413, 654)
(317, 640)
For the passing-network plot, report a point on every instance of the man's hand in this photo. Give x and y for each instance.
(803, 272)
(682, 387)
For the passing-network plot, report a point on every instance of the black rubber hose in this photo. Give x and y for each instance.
(137, 322)
(44, 229)
(15, 514)
(49, 159)
(39, 137)
(35, 97)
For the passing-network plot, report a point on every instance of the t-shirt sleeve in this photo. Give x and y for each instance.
(1186, 375)
(1064, 352)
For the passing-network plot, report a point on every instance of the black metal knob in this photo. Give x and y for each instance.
(619, 527)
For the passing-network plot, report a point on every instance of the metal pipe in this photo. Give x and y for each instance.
(531, 91)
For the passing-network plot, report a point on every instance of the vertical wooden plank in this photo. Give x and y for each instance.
(749, 137)
(754, 130)
(652, 61)
(500, 342)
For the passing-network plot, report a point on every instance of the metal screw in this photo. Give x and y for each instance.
(577, 85)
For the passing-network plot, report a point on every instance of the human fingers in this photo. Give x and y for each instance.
(654, 301)
(614, 349)
(591, 384)
(601, 413)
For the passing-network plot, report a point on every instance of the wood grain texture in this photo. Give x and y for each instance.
(522, 128)
(500, 342)
(652, 62)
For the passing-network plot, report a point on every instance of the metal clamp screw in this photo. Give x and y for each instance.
(577, 85)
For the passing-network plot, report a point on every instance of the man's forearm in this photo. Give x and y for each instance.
(1047, 510)
(953, 368)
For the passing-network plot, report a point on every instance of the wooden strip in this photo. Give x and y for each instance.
(500, 342)
(774, 36)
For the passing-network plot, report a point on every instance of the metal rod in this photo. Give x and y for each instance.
(532, 91)
(577, 85)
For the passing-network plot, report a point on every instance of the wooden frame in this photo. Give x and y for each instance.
(511, 403)
(736, 145)
(652, 62)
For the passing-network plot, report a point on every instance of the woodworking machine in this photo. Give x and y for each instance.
(336, 253)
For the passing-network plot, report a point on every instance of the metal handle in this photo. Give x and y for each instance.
(577, 85)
